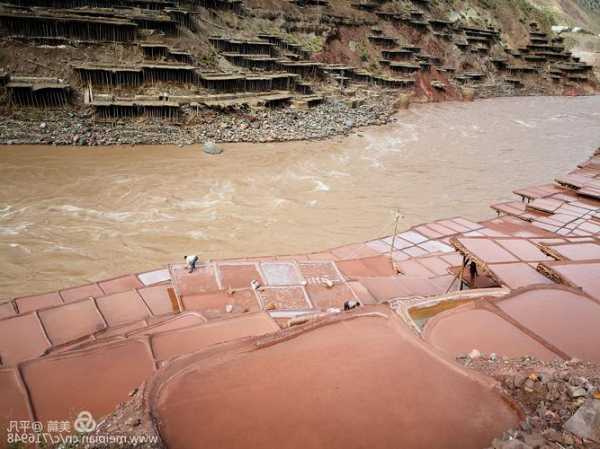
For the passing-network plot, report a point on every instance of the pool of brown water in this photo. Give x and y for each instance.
(69, 215)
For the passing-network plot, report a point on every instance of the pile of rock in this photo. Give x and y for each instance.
(268, 125)
(127, 423)
(561, 400)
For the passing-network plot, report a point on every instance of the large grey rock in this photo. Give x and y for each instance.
(211, 148)
(585, 423)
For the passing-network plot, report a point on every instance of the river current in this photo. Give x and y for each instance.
(69, 215)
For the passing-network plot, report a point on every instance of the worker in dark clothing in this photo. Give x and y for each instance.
(351, 304)
(473, 270)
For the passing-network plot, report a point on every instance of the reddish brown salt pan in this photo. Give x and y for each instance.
(584, 275)
(361, 292)
(94, 380)
(202, 280)
(157, 299)
(354, 251)
(71, 321)
(14, 405)
(238, 275)
(120, 284)
(170, 344)
(414, 268)
(437, 265)
(214, 304)
(31, 303)
(466, 328)
(524, 250)
(486, 250)
(121, 308)
(578, 251)
(21, 338)
(354, 384)
(368, 267)
(562, 318)
(517, 275)
(7, 310)
(81, 292)
(323, 297)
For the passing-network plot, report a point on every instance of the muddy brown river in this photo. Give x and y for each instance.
(72, 215)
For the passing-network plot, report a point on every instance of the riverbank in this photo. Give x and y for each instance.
(334, 117)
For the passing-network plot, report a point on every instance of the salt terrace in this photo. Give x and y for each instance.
(207, 341)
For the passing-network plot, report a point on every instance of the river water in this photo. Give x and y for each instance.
(72, 215)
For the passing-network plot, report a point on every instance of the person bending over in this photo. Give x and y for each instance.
(191, 262)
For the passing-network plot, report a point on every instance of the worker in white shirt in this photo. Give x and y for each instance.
(191, 262)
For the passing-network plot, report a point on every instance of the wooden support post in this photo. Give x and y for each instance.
(396, 221)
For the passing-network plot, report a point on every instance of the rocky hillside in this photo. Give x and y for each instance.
(574, 13)
(592, 5)
(199, 62)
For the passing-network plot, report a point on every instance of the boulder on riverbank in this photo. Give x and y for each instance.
(211, 148)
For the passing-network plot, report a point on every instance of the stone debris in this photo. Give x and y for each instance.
(128, 419)
(265, 125)
(559, 399)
